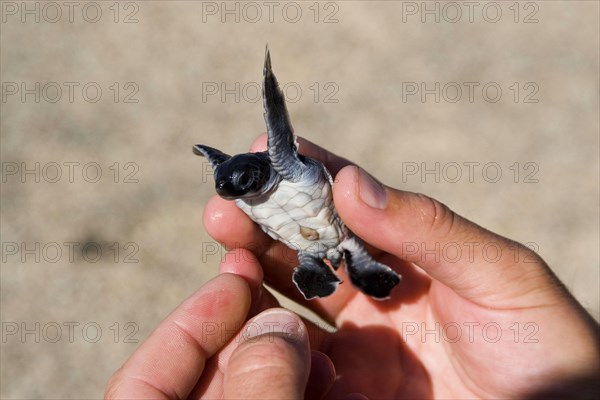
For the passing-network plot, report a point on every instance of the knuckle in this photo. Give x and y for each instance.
(436, 216)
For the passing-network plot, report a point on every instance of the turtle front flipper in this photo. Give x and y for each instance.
(371, 277)
(313, 277)
(215, 157)
(283, 151)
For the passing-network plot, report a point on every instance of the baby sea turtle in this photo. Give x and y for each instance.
(290, 196)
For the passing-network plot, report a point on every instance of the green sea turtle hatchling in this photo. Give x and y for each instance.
(290, 196)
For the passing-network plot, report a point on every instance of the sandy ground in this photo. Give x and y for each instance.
(125, 91)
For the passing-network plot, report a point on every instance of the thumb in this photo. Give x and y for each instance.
(469, 259)
(272, 361)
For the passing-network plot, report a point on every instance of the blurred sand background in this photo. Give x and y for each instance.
(348, 82)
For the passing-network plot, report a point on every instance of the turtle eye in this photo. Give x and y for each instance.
(245, 179)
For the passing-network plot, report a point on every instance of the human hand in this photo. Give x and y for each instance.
(476, 314)
(206, 349)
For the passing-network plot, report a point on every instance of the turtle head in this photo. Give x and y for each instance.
(243, 176)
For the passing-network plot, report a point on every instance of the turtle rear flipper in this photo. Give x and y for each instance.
(371, 277)
(313, 277)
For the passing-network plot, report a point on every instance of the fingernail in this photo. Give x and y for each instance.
(370, 191)
(276, 321)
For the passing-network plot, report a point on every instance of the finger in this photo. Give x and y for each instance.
(463, 256)
(244, 263)
(169, 363)
(222, 217)
(211, 384)
(273, 360)
(322, 376)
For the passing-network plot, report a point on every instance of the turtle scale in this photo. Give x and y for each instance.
(286, 226)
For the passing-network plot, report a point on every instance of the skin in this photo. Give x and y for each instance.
(536, 334)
